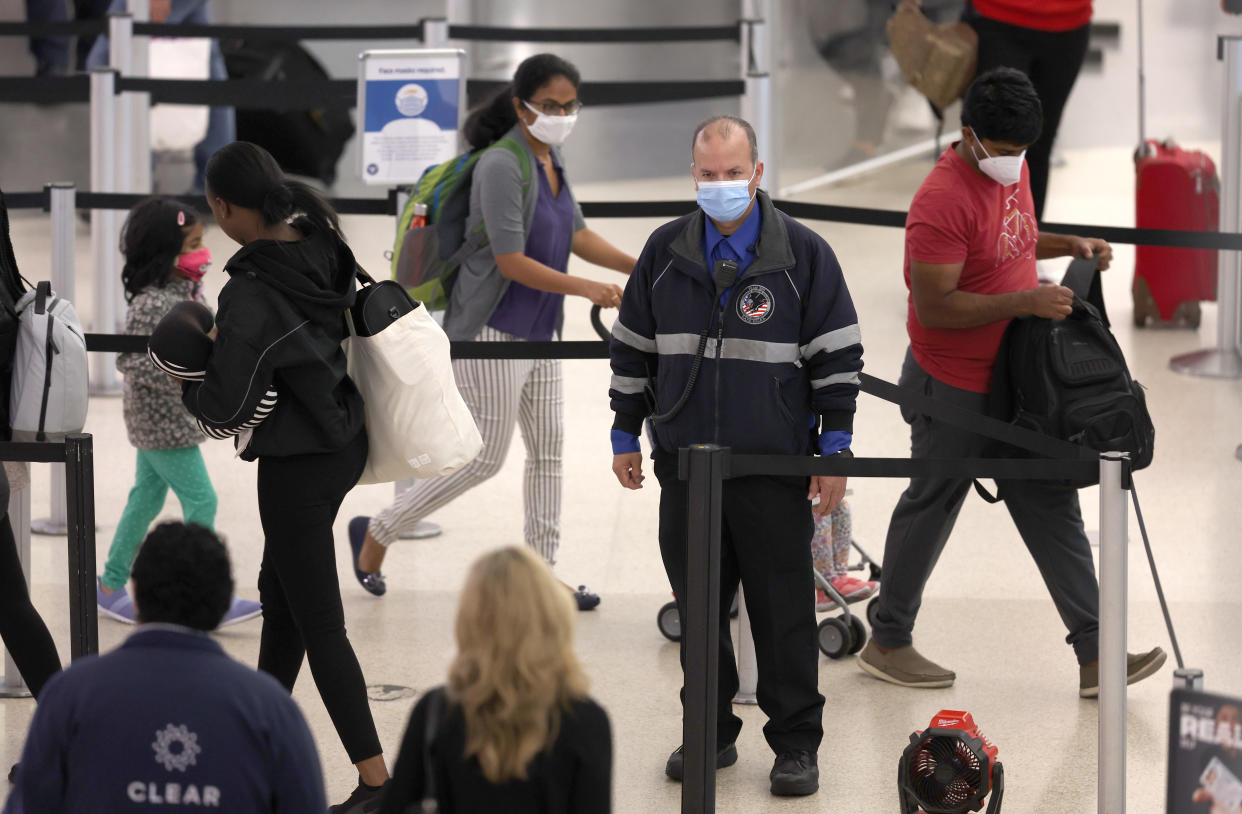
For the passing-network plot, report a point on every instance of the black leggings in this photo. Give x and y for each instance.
(1052, 60)
(21, 627)
(299, 497)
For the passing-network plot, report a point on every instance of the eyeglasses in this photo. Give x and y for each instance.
(551, 108)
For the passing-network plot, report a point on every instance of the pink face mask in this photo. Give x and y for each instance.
(194, 265)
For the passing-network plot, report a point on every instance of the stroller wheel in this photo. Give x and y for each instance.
(669, 622)
(858, 634)
(834, 637)
(872, 608)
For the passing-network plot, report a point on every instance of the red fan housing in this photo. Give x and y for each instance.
(950, 768)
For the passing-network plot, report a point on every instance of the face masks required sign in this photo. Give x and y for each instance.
(410, 103)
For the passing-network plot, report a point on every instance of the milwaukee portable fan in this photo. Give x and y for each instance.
(949, 768)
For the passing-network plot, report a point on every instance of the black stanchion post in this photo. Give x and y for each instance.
(705, 468)
(80, 505)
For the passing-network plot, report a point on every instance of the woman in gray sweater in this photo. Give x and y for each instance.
(512, 290)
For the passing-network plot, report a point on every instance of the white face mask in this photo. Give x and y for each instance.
(551, 129)
(1005, 170)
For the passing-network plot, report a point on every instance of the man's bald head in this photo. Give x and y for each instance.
(724, 129)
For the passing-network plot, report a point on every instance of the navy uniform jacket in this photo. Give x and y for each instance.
(790, 353)
(166, 723)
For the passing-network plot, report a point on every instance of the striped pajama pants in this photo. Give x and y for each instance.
(502, 394)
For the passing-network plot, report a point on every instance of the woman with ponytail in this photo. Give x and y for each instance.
(512, 289)
(275, 382)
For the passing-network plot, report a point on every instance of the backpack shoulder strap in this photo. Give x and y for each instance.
(1083, 278)
(523, 158)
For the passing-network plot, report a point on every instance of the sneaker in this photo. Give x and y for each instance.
(374, 583)
(1138, 667)
(675, 768)
(823, 603)
(239, 611)
(853, 589)
(586, 598)
(365, 799)
(117, 605)
(904, 667)
(795, 774)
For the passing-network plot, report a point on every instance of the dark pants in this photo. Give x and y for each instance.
(51, 53)
(766, 543)
(299, 497)
(1052, 60)
(1047, 517)
(26, 637)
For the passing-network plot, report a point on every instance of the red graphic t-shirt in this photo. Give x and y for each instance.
(962, 216)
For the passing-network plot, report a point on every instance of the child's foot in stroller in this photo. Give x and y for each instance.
(854, 589)
(851, 590)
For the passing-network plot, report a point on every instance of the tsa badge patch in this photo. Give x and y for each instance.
(755, 306)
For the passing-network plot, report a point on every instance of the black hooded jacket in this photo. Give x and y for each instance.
(277, 368)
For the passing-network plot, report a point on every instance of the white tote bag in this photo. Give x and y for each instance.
(176, 128)
(418, 425)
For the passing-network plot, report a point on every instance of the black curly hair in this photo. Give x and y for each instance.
(1002, 105)
(182, 576)
(151, 239)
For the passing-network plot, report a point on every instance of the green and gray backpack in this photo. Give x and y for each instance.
(425, 258)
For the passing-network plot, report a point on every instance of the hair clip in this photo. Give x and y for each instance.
(181, 217)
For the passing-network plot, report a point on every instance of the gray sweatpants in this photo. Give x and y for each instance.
(1047, 517)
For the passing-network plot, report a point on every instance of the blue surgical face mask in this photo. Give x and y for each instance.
(725, 201)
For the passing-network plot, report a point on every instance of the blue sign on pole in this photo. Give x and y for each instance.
(411, 104)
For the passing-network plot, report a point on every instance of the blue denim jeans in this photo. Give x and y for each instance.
(222, 121)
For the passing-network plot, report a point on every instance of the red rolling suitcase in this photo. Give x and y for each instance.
(1175, 189)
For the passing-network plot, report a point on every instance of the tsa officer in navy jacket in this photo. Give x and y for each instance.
(761, 299)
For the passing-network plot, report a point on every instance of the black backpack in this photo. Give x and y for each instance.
(303, 142)
(1068, 378)
(11, 290)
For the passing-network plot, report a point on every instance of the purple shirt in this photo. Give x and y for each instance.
(524, 311)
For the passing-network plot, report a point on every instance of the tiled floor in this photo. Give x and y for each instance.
(987, 614)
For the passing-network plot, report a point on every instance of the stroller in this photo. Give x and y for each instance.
(837, 635)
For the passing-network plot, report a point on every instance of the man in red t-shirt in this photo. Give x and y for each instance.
(971, 245)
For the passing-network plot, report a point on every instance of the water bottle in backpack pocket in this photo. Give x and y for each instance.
(48, 390)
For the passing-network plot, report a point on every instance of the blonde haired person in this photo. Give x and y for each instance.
(516, 730)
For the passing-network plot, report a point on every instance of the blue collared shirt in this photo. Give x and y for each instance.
(738, 247)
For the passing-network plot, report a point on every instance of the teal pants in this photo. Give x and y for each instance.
(158, 469)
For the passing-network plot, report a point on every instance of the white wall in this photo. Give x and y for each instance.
(1184, 78)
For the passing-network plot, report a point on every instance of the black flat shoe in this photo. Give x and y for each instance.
(374, 583)
(586, 599)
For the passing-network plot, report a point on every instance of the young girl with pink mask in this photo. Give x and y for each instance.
(165, 260)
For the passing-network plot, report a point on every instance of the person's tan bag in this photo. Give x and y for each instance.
(937, 60)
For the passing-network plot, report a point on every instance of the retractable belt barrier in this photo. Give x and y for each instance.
(397, 31)
(342, 93)
(857, 215)
(314, 94)
(77, 454)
